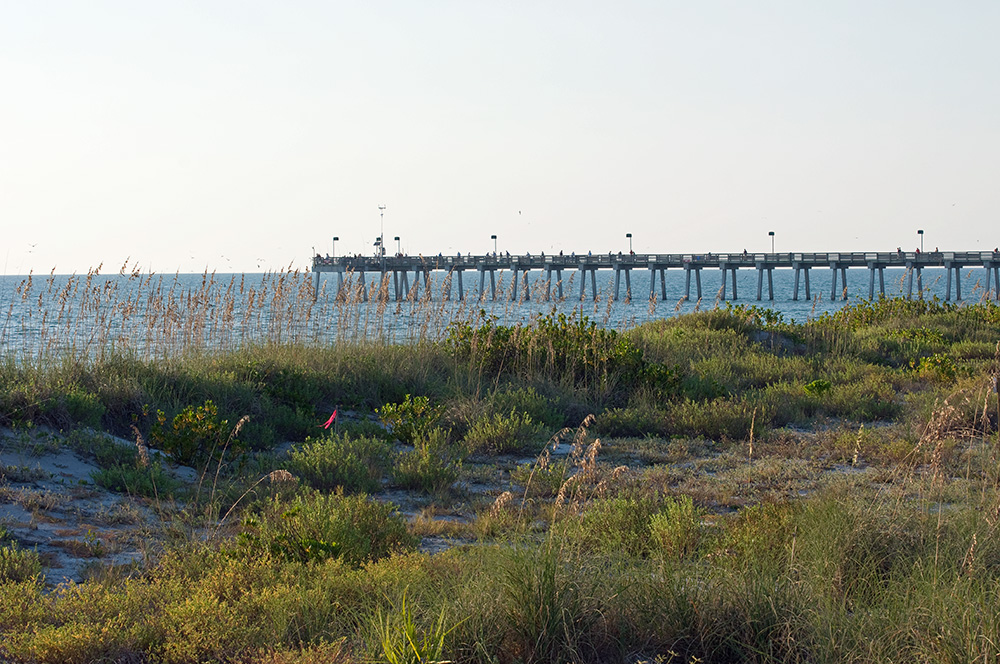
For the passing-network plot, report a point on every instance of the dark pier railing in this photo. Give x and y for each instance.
(394, 270)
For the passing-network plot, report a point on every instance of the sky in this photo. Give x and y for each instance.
(242, 136)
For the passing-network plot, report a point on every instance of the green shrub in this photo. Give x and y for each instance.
(761, 534)
(502, 434)
(639, 526)
(195, 435)
(17, 564)
(355, 529)
(526, 400)
(338, 460)
(426, 469)
(938, 366)
(83, 407)
(566, 350)
(863, 401)
(719, 419)
(364, 429)
(818, 387)
(136, 479)
(675, 531)
(631, 422)
(412, 419)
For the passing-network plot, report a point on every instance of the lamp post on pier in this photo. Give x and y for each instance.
(771, 233)
(920, 232)
(381, 233)
(629, 236)
(335, 238)
(494, 238)
(398, 250)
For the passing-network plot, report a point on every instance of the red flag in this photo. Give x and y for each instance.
(331, 420)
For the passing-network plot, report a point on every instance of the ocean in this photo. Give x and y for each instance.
(162, 314)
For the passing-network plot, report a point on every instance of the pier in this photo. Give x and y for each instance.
(393, 272)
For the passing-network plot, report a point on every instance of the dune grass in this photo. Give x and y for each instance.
(760, 491)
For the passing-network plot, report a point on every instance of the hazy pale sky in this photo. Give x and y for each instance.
(238, 136)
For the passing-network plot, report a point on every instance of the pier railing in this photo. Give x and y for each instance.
(623, 265)
(534, 262)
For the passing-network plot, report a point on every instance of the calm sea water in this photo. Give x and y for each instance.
(170, 312)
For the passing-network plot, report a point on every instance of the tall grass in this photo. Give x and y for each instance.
(579, 560)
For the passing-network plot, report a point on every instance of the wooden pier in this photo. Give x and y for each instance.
(394, 281)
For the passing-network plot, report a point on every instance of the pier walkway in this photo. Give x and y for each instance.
(394, 271)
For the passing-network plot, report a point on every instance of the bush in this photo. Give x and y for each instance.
(412, 419)
(17, 564)
(195, 435)
(631, 422)
(661, 525)
(425, 469)
(719, 419)
(355, 529)
(136, 479)
(675, 531)
(526, 400)
(353, 464)
(500, 434)
(566, 350)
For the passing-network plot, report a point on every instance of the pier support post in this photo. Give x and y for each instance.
(804, 269)
(732, 271)
(584, 269)
(949, 267)
(911, 269)
(688, 269)
(461, 288)
(872, 269)
(652, 283)
(761, 268)
(843, 277)
(548, 281)
(992, 274)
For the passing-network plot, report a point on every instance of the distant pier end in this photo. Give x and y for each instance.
(394, 272)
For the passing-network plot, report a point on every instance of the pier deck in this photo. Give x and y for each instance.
(394, 271)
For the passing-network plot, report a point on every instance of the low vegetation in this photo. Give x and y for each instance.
(722, 486)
